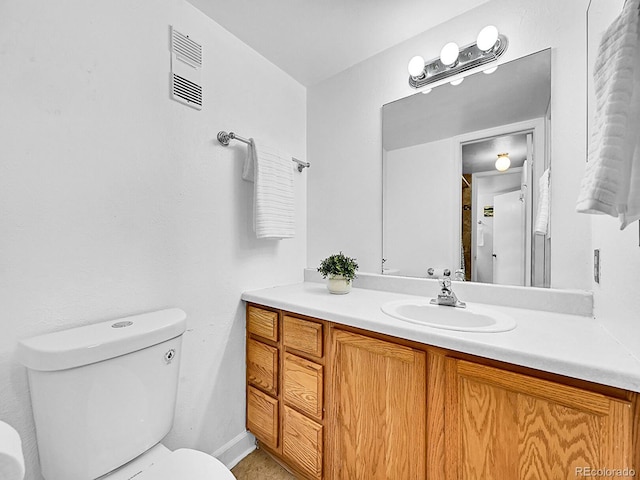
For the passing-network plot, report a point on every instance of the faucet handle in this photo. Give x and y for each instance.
(431, 272)
(445, 283)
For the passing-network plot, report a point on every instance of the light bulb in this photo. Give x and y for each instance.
(457, 82)
(416, 66)
(449, 54)
(490, 70)
(487, 38)
(503, 162)
(428, 90)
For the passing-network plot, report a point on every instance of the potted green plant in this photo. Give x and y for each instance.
(340, 270)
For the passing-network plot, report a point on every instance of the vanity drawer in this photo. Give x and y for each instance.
(262, 417)
(302, 442)
(262, 366)
(302, 383)
(303, 335)
(263, 323)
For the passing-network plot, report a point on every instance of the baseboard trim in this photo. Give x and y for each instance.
(236, 449)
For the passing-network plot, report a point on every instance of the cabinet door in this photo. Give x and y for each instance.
(302, 385)
(263, 323)
(262, 417)
(302, 442)
(377, 411)
(302, 335)
(504, 425)
(262, 366)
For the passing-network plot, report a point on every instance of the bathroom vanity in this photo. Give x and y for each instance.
(334, 386)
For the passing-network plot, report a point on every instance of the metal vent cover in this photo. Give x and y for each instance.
(186, 66)
(186, 49)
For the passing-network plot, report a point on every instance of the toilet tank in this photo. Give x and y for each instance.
(103, 394)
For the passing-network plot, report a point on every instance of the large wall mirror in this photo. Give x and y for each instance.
(465, 171)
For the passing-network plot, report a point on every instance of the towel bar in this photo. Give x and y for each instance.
(224, 138)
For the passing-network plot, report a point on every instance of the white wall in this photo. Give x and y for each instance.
(419, 205)
(344, 132)
(116, 200)
(616, 299)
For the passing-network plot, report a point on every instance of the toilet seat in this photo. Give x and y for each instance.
(189, 465)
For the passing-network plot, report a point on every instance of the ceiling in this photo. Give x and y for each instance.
(313, 40)
(481, 156)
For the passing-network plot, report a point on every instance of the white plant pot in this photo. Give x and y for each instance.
(338, 284)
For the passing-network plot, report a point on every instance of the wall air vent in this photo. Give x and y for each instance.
(186, 92)
(186, 66)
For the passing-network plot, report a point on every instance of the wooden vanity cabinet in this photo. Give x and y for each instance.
(303, 394)
(285, 388)
(263, 369)
(377, 415)
(505, 425)
(338, 403)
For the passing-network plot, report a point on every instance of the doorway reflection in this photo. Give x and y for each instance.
(496, 208)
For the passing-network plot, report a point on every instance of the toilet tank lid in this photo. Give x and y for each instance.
(87, 344)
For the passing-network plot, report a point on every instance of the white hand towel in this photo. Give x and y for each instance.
(11, 459)
(273, 198)
(542, 217)
(480, 235)
(611, 184)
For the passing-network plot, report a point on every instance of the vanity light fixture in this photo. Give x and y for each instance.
(489, 46)
(487, 38)
(416, 65)
(449, 54)
(503, 162)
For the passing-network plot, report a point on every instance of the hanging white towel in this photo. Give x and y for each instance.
(273, 198)
(611, 184)
(542, 216)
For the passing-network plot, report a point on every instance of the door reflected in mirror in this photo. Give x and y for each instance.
(461, 170)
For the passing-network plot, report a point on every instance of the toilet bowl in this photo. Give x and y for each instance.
(185, 463)
(160, 463)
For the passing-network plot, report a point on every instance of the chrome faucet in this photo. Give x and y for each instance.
(446, 296)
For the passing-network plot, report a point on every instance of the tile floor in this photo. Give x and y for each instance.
(258, 465)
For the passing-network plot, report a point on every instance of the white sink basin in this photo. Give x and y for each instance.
(474, 318)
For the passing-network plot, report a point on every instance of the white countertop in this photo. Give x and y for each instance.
(572, 345)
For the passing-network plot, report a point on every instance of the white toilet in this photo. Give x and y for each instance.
(103, 397)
